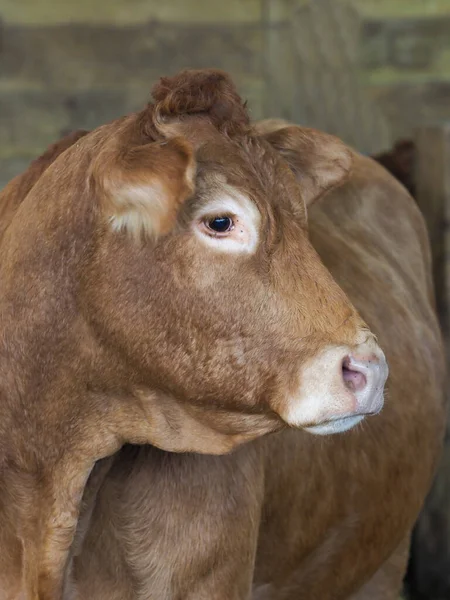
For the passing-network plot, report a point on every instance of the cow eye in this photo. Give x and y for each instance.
(220, 224)
(228, 224)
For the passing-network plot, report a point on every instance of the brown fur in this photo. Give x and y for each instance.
(207, 92)
(18, 188)
(108, 339)
(400, 161)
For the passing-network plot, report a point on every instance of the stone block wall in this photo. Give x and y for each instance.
(367, 70)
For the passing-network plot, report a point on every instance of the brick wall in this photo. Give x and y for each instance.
(367, 70)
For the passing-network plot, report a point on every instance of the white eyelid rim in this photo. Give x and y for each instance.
(234, 206)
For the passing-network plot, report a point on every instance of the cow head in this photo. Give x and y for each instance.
(177, 281)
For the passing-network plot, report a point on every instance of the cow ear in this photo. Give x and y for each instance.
(141, 188)
(318, 160)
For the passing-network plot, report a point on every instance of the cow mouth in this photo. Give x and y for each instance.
(335, 425)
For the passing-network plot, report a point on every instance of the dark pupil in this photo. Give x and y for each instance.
(220, 224)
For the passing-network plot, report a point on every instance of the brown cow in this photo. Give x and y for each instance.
(159, 286)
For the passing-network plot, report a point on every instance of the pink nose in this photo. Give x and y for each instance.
(365, 376)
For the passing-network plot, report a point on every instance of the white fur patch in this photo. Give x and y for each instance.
(246, 219)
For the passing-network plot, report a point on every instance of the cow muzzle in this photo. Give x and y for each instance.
(338, 388)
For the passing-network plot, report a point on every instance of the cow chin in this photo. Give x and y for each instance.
(335, 426)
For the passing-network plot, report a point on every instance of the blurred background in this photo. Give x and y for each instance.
(370, 71)
(374, 72)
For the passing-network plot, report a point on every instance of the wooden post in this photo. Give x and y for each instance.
(429, 573)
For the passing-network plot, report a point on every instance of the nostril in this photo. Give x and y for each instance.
(353, 378)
